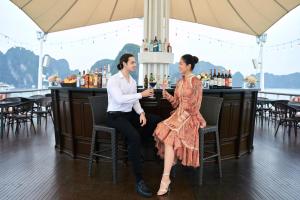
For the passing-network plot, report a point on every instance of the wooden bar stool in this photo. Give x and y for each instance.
(210, 110)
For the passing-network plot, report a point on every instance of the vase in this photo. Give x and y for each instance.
(250, 85)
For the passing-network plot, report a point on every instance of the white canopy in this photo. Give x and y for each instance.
(252, 17)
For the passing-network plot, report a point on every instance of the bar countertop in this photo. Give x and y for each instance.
(156, 90)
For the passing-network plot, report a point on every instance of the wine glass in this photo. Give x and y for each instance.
(163, 87)
(152, 85)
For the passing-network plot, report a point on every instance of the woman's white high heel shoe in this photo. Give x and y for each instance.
(164, 187)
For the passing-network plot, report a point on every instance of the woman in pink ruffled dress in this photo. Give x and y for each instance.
(177, 137)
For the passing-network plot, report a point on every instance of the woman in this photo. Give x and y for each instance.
(128, 117)
(177, 137)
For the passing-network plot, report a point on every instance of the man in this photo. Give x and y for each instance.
(127, 116)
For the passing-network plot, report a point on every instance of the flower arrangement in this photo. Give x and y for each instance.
(250, 81)
(203, 76)
(54, 80)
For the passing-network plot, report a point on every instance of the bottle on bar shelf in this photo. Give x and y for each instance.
(87, 79)
(211, 80)
(169, 48)
(159, 47)
(104, 77)
(108, 74)
(215, 85)
(82, 80)
(78, 79)
(100, 78)
(95, 78)
(223, 80)
(146, 81)
(155, 44)
(226, 80)
(151, 79)
(158, 82)
(142, 49)
(164, 46)
(219, 80)
(165, 81)
(229, 80)
(169, 82)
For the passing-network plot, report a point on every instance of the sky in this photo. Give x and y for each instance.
(82, 47)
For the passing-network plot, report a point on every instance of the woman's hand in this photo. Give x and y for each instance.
(165, 94)
(202, 123)
(143, 119)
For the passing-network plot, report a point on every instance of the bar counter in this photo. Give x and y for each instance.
(73, 119)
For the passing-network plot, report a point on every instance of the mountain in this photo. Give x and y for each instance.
(282, 81)
(19, 67)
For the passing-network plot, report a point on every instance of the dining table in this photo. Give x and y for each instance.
(295, 105)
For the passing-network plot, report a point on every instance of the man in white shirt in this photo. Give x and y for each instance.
(127, 116)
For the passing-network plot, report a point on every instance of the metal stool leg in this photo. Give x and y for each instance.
(114, 155)
(219, 153)
(92, 152)
(201, 157)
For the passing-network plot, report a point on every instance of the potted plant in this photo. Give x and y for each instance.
(204, 77)
(250, 81)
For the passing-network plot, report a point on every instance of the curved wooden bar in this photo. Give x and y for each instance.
(73, 119)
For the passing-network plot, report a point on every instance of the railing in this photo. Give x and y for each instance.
(277, 95)
(22, 93)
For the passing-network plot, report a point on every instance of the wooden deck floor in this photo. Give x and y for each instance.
(30, 169)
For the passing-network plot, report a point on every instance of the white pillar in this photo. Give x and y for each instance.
(42, 38)
(260, 41)
(262, 74)
(156, 23)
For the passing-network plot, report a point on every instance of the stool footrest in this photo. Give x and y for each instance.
(209, 157)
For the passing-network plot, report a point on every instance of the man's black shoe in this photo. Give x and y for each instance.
(143, 190)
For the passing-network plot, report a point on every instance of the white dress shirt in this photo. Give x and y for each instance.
(122, 95)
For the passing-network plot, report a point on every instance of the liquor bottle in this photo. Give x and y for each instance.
(158, 82)
(95, 78)
(165, 81)
(82, 80)
(104, 77)
(223, 80)
(163, 46)
(155, 44)
(150, 46)
(151, 78)
(169, 48)
(146, 81)
(211, 80)
(108, 74)
(78, 77)
(142, 46)
(215, 80)
(169, 81)
(100, 78)
(226, 80)
(159, 46)
(229, 79)
(219, 79)
(145, 45)
(87, 79)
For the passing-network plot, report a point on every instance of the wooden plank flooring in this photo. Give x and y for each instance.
(31, 169)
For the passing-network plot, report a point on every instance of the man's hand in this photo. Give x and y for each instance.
(143, 119)
(147, 93)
